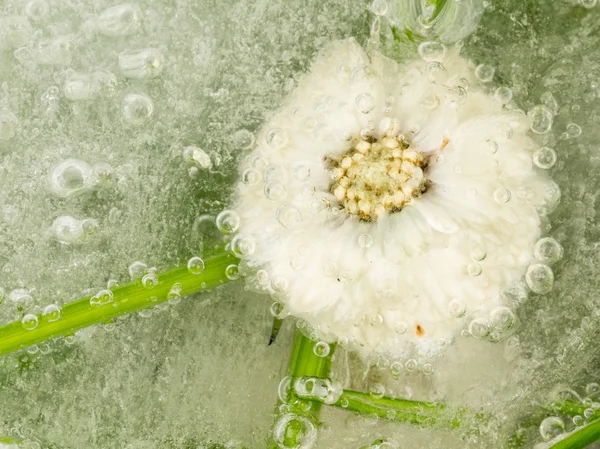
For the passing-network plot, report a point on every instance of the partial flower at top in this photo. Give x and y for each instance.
(390, 205)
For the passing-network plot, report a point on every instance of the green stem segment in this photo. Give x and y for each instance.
(113, 303)
(296, 420)
(423, 414)
(580, 438)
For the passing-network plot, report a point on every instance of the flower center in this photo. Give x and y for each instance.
(375, 177)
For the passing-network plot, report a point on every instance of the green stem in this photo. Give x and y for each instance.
(580, 438)
(120, 301)
(424, 414)
(299, 415)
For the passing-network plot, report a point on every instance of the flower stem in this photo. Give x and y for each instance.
(303, 363)
(580, 438)
(423, 414)
(122, 300)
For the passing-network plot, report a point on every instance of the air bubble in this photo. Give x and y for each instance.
(174, 295)
(279, 284)
(137, 270)
(474, 269)
(137, 108)
(502, 318)
(276, 309)
(410, 365)
(251, 176)
(589, 4)
(502, 195)
(432, 51)
(293, 431)
(150, 280)
(574, 130)
(243, 245)
(545, 158)
(243, 139)
(141, 64)
(232, 272)
(275, 191)
(551, 427)
(197, 156)
(195, 265)
(377, 391)
(503, 95)
(21, 299)
(288, 216)
(541, 119)
(547, 250)
(301, 173)
(457, 308)
(485, 73)
(71, 177)
(478, 328)
(539, 278)
(102, 298)
(276, 138)
(228, 221)
(30, 321)
(67, 230)
(321, 349)
(379, 7)
(365, 103)
(365, 240)
(120, 20)
(478, 254)
(51, 313)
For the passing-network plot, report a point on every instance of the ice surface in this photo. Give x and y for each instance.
(117, 92)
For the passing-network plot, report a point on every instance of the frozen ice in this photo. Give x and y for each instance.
(98, 103)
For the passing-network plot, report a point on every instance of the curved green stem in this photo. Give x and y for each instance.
(580, 438)
(423, 414)
(112, 303)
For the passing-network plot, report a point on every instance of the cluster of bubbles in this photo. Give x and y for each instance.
(20, 305)
(69, 230)
(581, 410)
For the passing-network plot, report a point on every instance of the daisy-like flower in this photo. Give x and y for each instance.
(390, 205)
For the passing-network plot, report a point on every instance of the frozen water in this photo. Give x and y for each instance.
(98, 104)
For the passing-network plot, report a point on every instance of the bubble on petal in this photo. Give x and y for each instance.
(365, 103)
(276, 138)
(365, 240)
(232, 272)
(243, 139)
(51, 313)
(502, 318)
(457, 308)
(292, 431)
(195, 265)
(479, 328)
(251, 176)
(502, 195)
(137, 270)
(301, 173)
(289, 216)
(275, 191)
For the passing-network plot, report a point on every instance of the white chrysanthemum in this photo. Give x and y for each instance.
(391, 204)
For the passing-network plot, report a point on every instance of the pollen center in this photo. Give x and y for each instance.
(377, 176)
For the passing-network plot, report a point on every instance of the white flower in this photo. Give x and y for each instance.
(390, 205)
